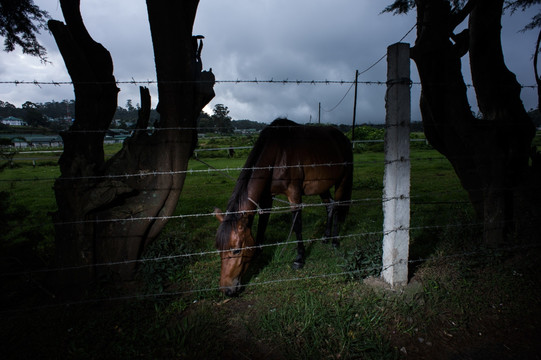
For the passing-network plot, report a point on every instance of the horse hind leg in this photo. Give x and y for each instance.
(335, 224)
(342, 194)
(331, 226)
(297, 228)
(330, 216)
(327, 200)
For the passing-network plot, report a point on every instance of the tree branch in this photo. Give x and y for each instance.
(537, 78)
(143, 116)
(462, 14)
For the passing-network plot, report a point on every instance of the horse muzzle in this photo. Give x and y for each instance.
(233, 289)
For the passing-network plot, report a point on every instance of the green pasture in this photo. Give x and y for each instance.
(328, 310)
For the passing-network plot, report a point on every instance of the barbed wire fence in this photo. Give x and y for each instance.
(340, 275)
(274, 210)
(336, 275)
(225, 81)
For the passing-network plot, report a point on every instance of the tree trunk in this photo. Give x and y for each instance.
(103, 216)
(448, 121)
(490, 155)
(512, 130)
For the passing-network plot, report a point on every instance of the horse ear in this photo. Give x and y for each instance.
(219, 215)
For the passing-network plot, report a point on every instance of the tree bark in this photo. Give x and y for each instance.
(104, 217)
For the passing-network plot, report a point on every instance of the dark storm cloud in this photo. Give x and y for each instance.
(260, 39)
(299, 40)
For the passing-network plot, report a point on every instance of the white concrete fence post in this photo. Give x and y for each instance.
(396, 178)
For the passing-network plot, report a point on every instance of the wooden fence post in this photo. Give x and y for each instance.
(396, 179)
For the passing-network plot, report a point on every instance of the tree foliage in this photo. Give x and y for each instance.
(222, 120)
(522, 5)
(404, 6)
(20, 21)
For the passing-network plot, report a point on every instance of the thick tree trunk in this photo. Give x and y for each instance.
(448, 121)
(103, 216)
(490, 155)
(511, 129)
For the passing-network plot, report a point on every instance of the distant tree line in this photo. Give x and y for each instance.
(221, 123)
(57, 116)
(47, 115)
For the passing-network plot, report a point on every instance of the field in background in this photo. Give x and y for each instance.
(463, 300)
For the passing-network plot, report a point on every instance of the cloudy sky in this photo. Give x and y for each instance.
(262, 39)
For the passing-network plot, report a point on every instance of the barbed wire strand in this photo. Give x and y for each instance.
(380, 268)
(209, 170)
(416, 200)
(184, 292)
(238, 81)
(216, 252)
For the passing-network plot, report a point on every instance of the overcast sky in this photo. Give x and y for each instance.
(262, 39)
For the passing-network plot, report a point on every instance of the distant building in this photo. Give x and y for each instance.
(45, 141)
(115, 136)
(14, 140)
(25, 141)
(13, 121)
(246, 131)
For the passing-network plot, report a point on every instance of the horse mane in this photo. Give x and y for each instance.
(238, 197)
(240, 192)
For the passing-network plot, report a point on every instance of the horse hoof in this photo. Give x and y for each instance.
(297, 265)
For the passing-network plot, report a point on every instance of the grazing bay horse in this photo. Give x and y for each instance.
(293, 160)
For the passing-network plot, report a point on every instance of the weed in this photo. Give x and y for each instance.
(365, 260)
(158, 274)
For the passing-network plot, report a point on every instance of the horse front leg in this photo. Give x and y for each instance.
(297, 227)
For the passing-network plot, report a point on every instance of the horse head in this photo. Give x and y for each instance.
(235, 241)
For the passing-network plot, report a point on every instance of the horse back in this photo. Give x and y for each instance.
(318, 156)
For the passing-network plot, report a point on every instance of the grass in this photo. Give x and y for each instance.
(313, 326)
(458, 289)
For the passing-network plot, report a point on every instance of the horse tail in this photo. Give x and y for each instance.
(346, 187)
